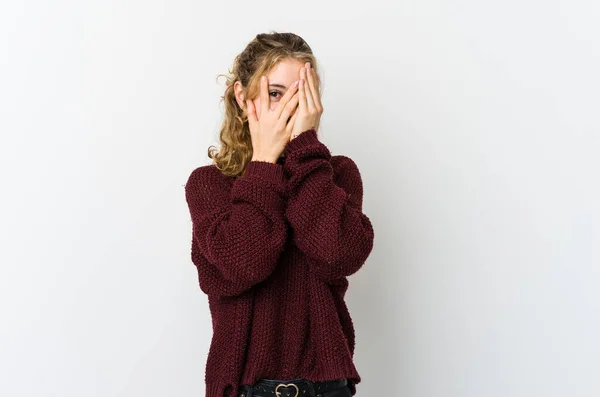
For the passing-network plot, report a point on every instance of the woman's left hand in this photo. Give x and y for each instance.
(309, 110)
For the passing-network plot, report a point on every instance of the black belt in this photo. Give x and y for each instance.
(290, 388)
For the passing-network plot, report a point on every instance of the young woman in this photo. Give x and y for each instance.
(277, 227)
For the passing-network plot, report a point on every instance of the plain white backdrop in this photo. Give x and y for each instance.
(475, 127)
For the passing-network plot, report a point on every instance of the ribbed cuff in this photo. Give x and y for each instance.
(265, 170)
(305, 138)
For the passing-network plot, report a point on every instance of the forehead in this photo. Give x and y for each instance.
(286, 72)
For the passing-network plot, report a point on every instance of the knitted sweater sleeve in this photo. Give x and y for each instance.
(325, 210)
(238, 227)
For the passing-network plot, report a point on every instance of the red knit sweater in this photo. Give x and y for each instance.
(273, 249)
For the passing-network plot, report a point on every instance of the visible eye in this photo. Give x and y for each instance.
(275, 92)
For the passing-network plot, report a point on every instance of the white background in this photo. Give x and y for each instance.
(475, 127)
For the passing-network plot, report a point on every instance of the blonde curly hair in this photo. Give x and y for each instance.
(259, 57)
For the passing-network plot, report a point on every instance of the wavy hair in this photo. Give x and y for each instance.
(259, 57)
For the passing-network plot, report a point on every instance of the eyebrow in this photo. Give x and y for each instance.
(278, 86)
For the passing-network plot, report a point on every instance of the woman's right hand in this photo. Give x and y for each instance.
(271, 133)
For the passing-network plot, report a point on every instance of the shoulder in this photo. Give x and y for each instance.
(205, 174)
(206, 185)
(344, 166)
(347, 176)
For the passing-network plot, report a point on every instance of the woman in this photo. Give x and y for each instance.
(277, 227)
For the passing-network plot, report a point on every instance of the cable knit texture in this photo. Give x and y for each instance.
(273, 249)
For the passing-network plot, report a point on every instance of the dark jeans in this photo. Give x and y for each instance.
(343, 391)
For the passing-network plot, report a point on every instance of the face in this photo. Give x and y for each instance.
(280, 79)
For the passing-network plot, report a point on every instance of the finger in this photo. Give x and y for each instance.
(251, 112)
(302, 104)
(265, 101)
(291, 122)
(313, 83)
(308, 92)
(315, 76)
(287, 97)
(289, 108)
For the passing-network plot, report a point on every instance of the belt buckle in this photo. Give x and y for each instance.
(284, 385)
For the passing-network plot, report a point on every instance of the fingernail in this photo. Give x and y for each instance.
(295, 84)
(263, 78)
